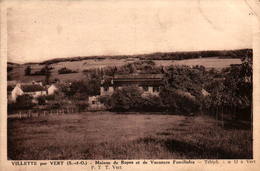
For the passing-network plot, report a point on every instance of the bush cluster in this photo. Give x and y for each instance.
(65, 70)
(130, 99)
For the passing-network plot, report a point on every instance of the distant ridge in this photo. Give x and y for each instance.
(12, 63)
(239, 53)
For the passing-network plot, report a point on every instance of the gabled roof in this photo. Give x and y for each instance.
(139, 79)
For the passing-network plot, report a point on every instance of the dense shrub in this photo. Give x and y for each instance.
(50, 97)
(130, 98)
(41, 100)
(152, 103)
(179, 102)
(65, 70)
(55, 106)
(80, 90)
(24, 102)
(82, 105)
(125, 99)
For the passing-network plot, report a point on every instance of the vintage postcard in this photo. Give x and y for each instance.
(130, 85)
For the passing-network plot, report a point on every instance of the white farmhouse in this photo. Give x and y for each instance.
(17, 91)
(52, 89)
(35, 90)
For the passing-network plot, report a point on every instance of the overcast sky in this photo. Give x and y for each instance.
(42, 30)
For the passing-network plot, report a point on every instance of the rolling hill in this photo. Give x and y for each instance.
(209, 59)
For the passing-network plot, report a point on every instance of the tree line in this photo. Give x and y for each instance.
(239, 53)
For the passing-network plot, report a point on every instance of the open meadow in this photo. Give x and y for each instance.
(106, 135)
(18, 72)
(213, 62)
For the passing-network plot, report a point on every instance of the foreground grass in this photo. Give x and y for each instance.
(125, 136)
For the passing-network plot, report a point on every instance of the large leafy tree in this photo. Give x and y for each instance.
(233, 93)
(186, 78)
(238, 85)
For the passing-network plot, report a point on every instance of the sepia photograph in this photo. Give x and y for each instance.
(117, 80)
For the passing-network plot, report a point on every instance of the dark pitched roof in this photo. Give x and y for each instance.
(32, 88)
(139, 79)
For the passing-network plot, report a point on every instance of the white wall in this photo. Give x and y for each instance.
(52, 89)
(17, 91)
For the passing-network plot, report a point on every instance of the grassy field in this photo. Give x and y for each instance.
(18, 72)
(214, 62)
(125, 136)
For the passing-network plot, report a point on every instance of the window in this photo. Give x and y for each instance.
(93, 102)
